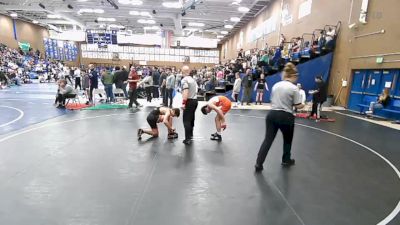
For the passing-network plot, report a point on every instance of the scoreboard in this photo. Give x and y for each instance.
(101, 38)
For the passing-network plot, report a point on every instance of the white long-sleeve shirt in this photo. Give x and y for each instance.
(237, 85)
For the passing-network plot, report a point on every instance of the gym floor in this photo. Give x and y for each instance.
(87, 167)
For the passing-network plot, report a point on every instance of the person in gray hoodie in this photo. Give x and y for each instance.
(236, 88)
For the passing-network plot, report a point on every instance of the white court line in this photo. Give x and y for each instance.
(396, 210)
(21, 114)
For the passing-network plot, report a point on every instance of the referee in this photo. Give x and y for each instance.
(285, 95)
(189, 103)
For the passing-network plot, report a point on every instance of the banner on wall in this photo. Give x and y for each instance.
(267, 27)
(25, 46)
(287, 17)
(305, 8)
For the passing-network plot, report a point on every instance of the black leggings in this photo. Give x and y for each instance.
(315, 109)
(277, 120)
(78, 83)
(149, 93)
(189, 117)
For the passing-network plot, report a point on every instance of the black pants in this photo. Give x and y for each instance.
(156, 93)
(61, 98)
(133, 94)
(236, 97)
(189, 117)
(277, 120)
(168, 94)
(68, 78)
(149, 91)
(78, 83)
(315, 106)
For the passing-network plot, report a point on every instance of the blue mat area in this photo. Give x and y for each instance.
(35, 101)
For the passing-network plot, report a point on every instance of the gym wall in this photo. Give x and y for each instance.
(26, 32)
(382, 14)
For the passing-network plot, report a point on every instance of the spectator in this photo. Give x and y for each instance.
(319, 97)
(163, 89)
(170, 86)
(260, 87)
(86, 84)
(107, 79)
(236, 88)
(119, 78)
(156, 83)
(247, 87)
(147, 82)
(382, 101)
(125, 75)
(77, 75)
(302, 94)
(94, 82)
(133, 80)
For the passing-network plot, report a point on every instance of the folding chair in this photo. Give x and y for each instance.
(74, 97)
(98, 92)
(119, 95)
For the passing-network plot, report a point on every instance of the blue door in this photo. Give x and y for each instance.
(373, 82)
(389, 79)
(396, 87)
(357, 89)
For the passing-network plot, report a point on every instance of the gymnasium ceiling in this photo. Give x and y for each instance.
(212, 15)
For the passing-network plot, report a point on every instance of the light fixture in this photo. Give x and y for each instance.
(131, 2)
(243, 9)
(35, 21)
(151, 28)
(14, 15)
(224, 32)
(173, 5)
(220, 36)
(228, 26)
(146, 21)
(235, 19)
(99, 11)
(52, 16)
(102, 19)
(193, 24)
(116, 26)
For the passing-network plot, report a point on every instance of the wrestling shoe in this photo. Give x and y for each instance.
(216, 137)
(139, 134)
(173, 136)
(290, 162)
(258, 168)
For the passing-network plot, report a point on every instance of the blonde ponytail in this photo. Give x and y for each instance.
(289, 71)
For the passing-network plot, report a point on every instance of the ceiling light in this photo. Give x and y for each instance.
(52, 16)
(14, 15)
(145, 14)
(243, 9)
(131, 2)
(146, 21)
(228, 26)
(191, 29)
(151, 28)
(35, 21)
(90, 11)
(102, 19)
(174, 5)
(235, 19)
(193, 24)
(98, 10)
(220, 36)
(224, 32)
(116, 26)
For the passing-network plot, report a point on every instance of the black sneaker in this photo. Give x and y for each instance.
(258, 168)
(139, 134)
(216, 137)
(288, 163)
(187, 142)
(214, 134)
(173, 136)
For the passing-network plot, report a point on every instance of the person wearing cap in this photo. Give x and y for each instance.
(284, 96)
(189, 103)
(133, 80)
(221, 105)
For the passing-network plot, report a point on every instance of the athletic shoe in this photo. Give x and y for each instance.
(139, 133)
(213, 135)
(173, 136)
(216, 137)
(368, 112)
(290, 162)
(258, 168)
(187, 142)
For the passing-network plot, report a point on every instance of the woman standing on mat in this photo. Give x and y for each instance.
(284, 96)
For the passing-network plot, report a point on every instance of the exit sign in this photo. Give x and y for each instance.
(379, 60)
